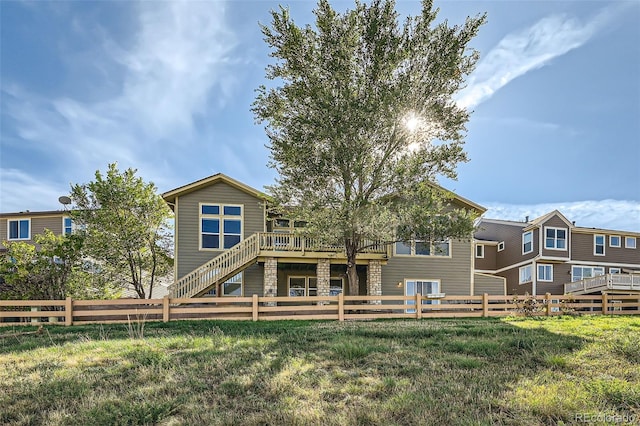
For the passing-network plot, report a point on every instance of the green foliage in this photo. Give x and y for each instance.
(362, 121)
(52, 269)
(125, 226)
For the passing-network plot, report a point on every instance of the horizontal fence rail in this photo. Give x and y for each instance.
(338, 307)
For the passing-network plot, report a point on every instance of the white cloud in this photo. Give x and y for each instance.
(607, 214)
(173, 68)
(21, 192)
(527, 50)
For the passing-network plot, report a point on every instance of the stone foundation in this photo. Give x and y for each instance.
(323, 273)
(374, 280)
(270, 282)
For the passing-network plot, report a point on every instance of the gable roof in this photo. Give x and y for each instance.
(170, 196)
(542, 219)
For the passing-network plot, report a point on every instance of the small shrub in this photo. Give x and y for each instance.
(529, 306)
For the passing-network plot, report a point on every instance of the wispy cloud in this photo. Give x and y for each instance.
(527, 50)
(607, 214)
(173, 69)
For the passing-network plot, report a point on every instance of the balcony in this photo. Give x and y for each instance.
(603, 283)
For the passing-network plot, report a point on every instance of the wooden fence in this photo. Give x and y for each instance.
(340, 307)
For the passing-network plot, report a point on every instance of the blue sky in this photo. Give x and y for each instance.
(166, 87)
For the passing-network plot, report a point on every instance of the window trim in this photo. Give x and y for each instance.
(587, 266)
(411, 302)
(635, 242)
(615, 270)
(221, 218)
(501, 246)
(595, 244)
(28, 220)
(432, 245)
(555, 238)
(544, 265)
(307, 279)
(481, 247)
(524, 234)
(530, 280)
(619, 241)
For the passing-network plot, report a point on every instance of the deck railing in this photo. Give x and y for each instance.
(623, 282)
(340, 307)
(275, 241)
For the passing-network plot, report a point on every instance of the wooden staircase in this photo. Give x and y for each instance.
(217, 270)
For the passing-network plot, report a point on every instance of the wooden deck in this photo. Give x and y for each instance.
(625, 283)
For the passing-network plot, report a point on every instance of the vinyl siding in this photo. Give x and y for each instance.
(582, 249)
(38, 225)
(512, 237)
(492, 285)
(453, 272)
(513, 276)
(488, 262)
(561, 276)
(188, 255)
(556, 222)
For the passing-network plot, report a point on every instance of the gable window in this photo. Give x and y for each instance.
(579, 273)
(480, 251)
(19, 229)
(525, 274)
(423, 287)
(501, 246)
(220, 226)
(423, 248)
(545, 273)
(598, 245)
(555, 238)
(630, 242)
(614, 241)
(527, 242)
(615, 270)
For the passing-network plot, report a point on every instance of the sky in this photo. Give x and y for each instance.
(166, 87)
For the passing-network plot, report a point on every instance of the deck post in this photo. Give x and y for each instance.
(254, 307)
(485, 305)
(547, 299)
(68, 312)
(165, 309)
(418, 306)
(605, 308)
(340, 306)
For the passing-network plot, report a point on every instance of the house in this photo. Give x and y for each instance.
(227, 245)
(549, 253)
(23, 226)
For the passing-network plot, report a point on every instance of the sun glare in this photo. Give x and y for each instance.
(412, 122)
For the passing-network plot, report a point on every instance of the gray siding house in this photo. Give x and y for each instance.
(226, 245)
(550, 252)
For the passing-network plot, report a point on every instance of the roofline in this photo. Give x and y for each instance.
(584, 230)
(504, 222)
(170, 196)
(462, 199)
(36, 213)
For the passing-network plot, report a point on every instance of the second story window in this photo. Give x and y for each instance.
(598, 245)
(527, 242)
(423, 248)
(555, 238)
(630, 242)
(614, 241)
(480, 251)
(220, 226)
(19, 229)
(501, 246)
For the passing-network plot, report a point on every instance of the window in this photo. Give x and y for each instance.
(19, 229)
(231, 287)
(220, 226)
(630, 242)
(423, 248)
(545, 273)
(480, 251)
(527, 242)
(615, 270)
(423, 287)
(501, 246)
(614, 241)
(555, 238)
(579, 273)
(336, 285)
(598, 245)
(308, 286)
(525, 274)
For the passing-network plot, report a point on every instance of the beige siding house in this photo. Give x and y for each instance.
(552, 255)
(23, 226)
(225, 245)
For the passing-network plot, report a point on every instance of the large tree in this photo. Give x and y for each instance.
(125, 222)
(362, 121)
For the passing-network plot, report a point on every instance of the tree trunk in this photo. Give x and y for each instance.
(352, 272)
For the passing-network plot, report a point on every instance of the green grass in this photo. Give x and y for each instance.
(464, 371)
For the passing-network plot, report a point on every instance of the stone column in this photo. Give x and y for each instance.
(374, 280)
(270, 282)
(323, 273)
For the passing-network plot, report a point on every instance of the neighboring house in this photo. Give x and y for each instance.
(23, 226)
(543, 255)
(226, 244)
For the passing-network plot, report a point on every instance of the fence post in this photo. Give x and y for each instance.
(605, 308)
(254, 307)
(418, 306)
(68, 312)
(340, 306)
(165, 309)
(485, 305)
(547, 298)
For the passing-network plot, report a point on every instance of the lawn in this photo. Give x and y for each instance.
(561, 370)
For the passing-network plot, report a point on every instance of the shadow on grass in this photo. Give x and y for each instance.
(459, 371)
